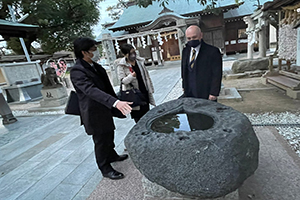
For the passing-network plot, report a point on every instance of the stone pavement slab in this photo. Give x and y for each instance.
(277, 176)
(129, 188)
(51, 157)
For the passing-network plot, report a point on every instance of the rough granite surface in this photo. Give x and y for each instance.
(203, 163)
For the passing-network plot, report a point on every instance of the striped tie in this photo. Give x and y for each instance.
(193, 59)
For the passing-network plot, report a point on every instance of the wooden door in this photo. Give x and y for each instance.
(214, 38)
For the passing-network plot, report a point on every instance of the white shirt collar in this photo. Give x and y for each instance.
(197, 48)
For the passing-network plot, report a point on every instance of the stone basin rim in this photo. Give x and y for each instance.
(178, 110)
(151, 153)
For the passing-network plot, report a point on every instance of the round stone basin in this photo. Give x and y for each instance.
(172, 123)
(194, 147)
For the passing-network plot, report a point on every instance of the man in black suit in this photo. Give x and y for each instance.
(96, 100)
(201, 67)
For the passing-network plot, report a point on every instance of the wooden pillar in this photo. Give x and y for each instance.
(181, 28)
(249, 50)
(271, 67)
(262, 42)
(279, 63)
(288, 63)
(109, 49)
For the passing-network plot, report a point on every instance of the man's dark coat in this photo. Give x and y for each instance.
(96, 97)
(207, 70)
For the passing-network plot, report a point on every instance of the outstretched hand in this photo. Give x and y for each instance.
(124, 107)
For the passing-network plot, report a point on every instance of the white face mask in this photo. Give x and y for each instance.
(96, 56)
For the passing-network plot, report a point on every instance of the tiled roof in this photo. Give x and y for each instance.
(247, 8)
(139, 15)
(113, 34)
(13, 29)
(15, 24)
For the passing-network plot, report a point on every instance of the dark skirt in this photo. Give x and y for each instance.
(137, 114)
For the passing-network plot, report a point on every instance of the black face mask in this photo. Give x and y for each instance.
(132, 56)
(193, 43)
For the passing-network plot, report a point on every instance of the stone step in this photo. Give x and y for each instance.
(284, 82)
(289, 74)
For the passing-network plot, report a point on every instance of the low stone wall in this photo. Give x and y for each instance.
(23, 82)
(23, 72)
(241, 66)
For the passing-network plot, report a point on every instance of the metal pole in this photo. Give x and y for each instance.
(25, 49)
(21, 39)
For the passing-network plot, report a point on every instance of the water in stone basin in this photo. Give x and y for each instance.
(172, 123)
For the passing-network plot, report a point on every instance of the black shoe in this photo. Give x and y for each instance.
(114, 175)
(120, 158)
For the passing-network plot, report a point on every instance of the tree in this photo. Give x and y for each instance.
(210, 3)
(60, 21)
(115, 11)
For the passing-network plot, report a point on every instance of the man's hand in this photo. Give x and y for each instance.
(212, 97)
(124, 107)
(133, 74)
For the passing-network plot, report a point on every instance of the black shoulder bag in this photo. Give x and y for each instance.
(132, 95)
(72, 107)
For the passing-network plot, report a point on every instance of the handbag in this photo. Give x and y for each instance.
(133, 95)
(72, 107)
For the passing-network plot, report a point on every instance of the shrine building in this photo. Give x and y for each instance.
(158, 33)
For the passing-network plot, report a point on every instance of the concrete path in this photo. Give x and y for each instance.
(51, 157)
(277, 176)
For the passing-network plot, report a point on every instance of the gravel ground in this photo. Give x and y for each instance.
(290, 133)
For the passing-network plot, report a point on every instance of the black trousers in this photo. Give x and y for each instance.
(104, 151)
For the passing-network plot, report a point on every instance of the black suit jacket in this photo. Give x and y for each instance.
(95, 95)
(208, 69)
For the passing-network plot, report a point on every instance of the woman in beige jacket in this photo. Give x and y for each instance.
(133, 73)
